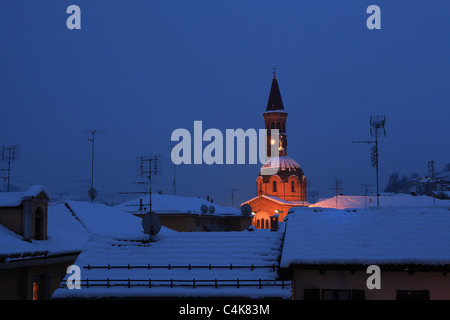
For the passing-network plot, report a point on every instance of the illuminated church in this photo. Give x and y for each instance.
(281, 183)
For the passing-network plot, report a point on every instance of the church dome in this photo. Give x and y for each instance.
(282, 166)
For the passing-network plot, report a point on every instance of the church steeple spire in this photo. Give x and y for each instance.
(275, 117)
(275, 102)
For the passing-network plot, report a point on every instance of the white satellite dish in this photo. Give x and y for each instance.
(151, 223)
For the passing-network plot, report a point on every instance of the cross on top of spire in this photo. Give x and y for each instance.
(274, 72)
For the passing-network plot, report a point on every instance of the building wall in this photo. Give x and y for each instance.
(17, 283)
(192, 222)
(436, 283)
(284, 188)
(265, 208)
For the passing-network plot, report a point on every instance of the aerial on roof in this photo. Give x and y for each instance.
(186, 264)
(164, 204)
(393, 235)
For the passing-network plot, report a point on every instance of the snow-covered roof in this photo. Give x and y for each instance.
(64, 233)
(167, 204)
(168, 267)
(387, 200)
(103, 220)
(14, 199)
(278, 200)
(69, 227)
(393, 235)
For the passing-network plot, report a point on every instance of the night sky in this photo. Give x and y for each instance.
(140, 69)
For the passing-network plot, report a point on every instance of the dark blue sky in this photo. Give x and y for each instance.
(140, 69)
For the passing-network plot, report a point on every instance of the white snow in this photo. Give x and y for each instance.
(14, 199)
(260, 248)
(100, 219)
(386, 200)
(65, 235)
(392, 235)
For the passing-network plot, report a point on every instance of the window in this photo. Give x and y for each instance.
(274, 187)
(314, 294)
(413, 295)
(292, 186)
(336, 294)
(39, 287)
(39, 224)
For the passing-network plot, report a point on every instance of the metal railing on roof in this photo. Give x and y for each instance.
(251, 267)
(172, 283)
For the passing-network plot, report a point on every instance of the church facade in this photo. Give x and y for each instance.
(281, 183)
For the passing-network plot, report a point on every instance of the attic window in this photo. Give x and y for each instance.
(39, 224)
(274, 186)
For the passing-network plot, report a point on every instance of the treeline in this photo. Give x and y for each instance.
(419, 184)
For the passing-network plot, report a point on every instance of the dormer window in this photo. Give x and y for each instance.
(39, 224)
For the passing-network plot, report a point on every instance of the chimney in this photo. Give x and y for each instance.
(274, 222)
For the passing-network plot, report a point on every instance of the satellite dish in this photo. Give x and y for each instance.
(151, 223)
(246, 210)
(92, 194)
(211, 209)
(204, 208)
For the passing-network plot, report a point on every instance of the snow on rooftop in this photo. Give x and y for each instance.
(70, 225)
(388, 200)
(279, 200)
(64, 233)
(163, 203)
(260, 248)
(393, 235)
(14, 199)
(100, 219)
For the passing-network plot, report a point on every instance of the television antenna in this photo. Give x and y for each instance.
(377, 129)
(147, 168)
(366, 192)
(9, 154)
(92, 192)
(232, 195)
(337, 188)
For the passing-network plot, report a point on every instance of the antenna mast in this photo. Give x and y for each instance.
(9, 155)
(377, 130)
(92, 191)
(337, 188)
(152, 170)
(232, 195)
